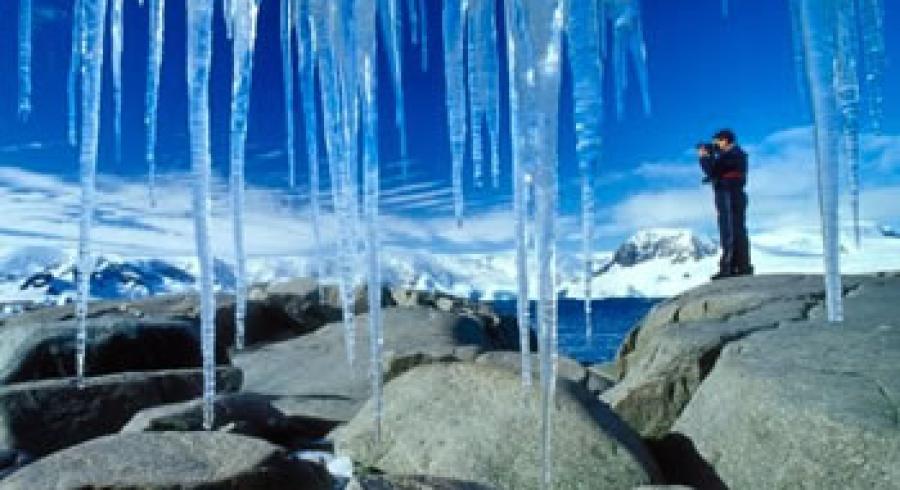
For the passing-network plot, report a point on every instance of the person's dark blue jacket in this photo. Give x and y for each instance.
(731, 164)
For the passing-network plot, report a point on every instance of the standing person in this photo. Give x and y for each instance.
(725, 166)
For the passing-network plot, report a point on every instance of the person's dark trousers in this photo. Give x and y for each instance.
(731, 207)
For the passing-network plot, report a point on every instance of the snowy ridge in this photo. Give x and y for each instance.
(652, 263)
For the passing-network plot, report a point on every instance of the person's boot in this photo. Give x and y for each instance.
(743, 271)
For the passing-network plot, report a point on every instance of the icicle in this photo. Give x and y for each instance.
(537, 53)
(157, 12)
(872, 22)
(74, 71)
(199, 53)
(584, 49)
(520, 193)
(389, 14)
(339, 111)
(799, 56)
(367, 57)
(411, 9)
(724, 8)
(484, 86)
(24, 58)
(307, 74)
(475, 90)
(116, 38)
(92, 29)
(287, 70)
(819, 20)
(628, 39)
(846, 82)
(454, 15)
(228, 9)
(244, 38)
(423, 31)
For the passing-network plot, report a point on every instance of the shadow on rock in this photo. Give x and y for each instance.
(682, 464)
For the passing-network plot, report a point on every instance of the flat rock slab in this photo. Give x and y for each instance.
(471, 422)
(44, 416)
(809, 405)
(310, 375)
(157, 461)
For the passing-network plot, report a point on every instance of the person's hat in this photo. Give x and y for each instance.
(725, 134)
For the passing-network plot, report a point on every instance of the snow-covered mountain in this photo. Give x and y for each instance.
(652, 263)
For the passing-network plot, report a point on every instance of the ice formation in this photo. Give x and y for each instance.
(25, 58)
(116, 47)
(840, 47)
(243, 35)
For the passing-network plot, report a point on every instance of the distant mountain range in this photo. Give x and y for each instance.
(652, 263)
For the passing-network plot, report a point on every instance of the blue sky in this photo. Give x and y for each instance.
(705, 72)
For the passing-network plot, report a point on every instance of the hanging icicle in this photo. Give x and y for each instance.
(520, 186)
(117, 40)
(243, 41)
(871, 20)
(846, 86)
(287, 71)
(628, 40)
(92, 28)
(819, 21)
(157, 13)
(583, 37)
(484, 86)
(454, 18)
(391, 23)
(537, 57)
(423, 31)
(307, 73)
(366, 59)
(25, 14)
(74, 72)
(199, 54)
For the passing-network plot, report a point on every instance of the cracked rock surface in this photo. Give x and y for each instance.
(809, 404)
(663, 361)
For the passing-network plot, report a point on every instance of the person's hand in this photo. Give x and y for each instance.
(702, 152)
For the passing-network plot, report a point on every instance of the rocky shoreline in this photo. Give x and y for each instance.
(737, 384)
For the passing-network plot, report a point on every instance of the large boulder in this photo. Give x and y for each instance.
(168, 461)
(470, 422)
(40, 417)
(30, 352)
(310, 375)
(666, 358)
(810, 405)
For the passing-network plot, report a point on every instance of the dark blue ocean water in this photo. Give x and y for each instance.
(612, 320)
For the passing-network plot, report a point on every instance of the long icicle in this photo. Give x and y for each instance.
(244, 38)
(307, 74)
(74, 72)
(25, 19)
(537, 54)
(93, 28)
(872, 21)
(328, 40)
(819, 20)
(423, 31)
(454, 15)
(520, 192)
(367, 57)
(287, 70)
(585, 55)
(199, 54)
(391, 23)
(117, 45)
(157, 13)
(847, 88)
